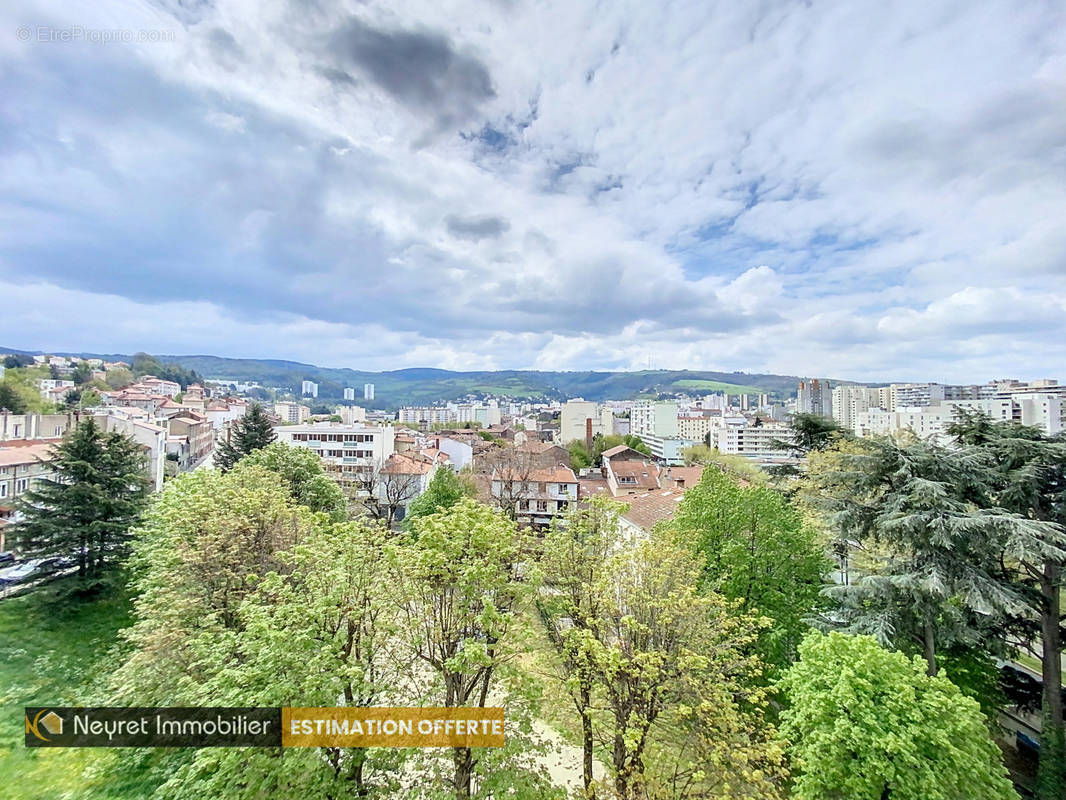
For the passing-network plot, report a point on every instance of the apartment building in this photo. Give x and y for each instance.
(350, 415)
(815, 397)
(35, 426)
(349, 393)
(351, 454)
(292, 412)
(190, 439)
(694, 427)
(654, 419)
(309, 389)
(152, 439)
(368, 391)
(850, 401)
(739, 436)
(22, 464)
(579, 418)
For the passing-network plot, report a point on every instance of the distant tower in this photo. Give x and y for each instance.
(349, 394)
(368, 391)
(309, 389)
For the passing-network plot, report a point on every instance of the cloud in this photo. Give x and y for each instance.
(481, 227)
(420, 68)
(824, 190)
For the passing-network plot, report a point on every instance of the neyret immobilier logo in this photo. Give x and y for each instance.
(264, 727)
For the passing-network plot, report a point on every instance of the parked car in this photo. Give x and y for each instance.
(22, 572)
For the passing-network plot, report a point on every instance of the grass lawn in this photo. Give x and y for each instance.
(48, 657)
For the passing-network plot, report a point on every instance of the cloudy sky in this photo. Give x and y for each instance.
(857, 190)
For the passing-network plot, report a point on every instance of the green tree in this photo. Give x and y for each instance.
(933, 577)
(445, 489)
(11, 399)
(82, 373)
(809, 432)
(117, 377)
(16, 360)
(755, 548)
(574, 560)
(865, 723)
(86, 510)
(1029, 477)
(303, 473)
(251, 432)
(462, 591)
(684, 714)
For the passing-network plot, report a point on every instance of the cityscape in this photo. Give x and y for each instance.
(532, 400)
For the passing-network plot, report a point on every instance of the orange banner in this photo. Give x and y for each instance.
(392, 727)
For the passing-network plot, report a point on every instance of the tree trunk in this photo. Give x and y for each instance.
(586, 739)
(464, 770)
(930, 649)
(1051, 774)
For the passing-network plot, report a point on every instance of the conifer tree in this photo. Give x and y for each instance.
(86, 510)
(251, 432)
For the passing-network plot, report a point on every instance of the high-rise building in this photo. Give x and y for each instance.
(309, 389)
(291, 412)
(815, 397)
(368, 391)
(349, 393)
(850, 401)
(574, 418)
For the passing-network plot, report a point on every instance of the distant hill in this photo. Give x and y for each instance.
(424, 385)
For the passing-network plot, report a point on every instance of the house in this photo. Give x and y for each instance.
(648, 509)
(537, 495)
(152, 439)
(628, 471)
(403, 478)
(460, 453)
(544, 454)
(22, 464)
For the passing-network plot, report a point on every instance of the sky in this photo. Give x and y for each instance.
(869, 191)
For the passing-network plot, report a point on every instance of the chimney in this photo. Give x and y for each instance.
(588, 435)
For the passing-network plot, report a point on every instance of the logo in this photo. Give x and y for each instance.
(50, 721)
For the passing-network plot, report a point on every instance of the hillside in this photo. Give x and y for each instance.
(425, 385)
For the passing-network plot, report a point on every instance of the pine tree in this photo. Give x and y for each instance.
(251, 432)
(86, 510)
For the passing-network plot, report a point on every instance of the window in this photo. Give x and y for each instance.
(542, 505)
(3, 489)
(59, 430)
(17, 432)
(20, 485)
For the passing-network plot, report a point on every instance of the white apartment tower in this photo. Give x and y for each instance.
(309, 389)
(368, 391)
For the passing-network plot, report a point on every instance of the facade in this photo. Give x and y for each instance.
(575, 416)
(540, 495)
(654, 419)
(850, 401)
(368, 391)
(149, 384)
(35, 426)
(350, 415)
(22, 464)
(695, 427)
(738, 436)
(815, 397)
(351, 454)
(459, 453)
(292, 412)
(402, 479)
(190, 438)
(349, 393)
(309, 389)
(47, 386)
(151, 438)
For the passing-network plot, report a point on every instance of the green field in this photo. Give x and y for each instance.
(718, 386)
(49, 656)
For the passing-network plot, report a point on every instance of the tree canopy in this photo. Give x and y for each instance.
(866, 723)
(249, 433)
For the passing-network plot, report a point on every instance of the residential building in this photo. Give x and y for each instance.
(654, 418)
(850, 401)
(539, 495)
(292, 412)
(350, 415)
(628, 471)
(459, 453)
(815, 397)
(579, 419)
(740, 436)
(309, 389)
(368, 391)
(351, 454)
(404, 477)
(152, 439)
(22, 464)
(695, 427)
(48, 385)
(349, 393)
(149, 384)
(35, 426)
(190, 440)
